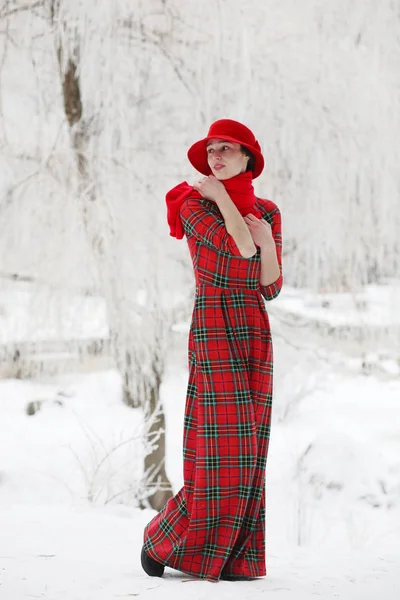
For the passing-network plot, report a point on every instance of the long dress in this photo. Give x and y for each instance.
(215, 525)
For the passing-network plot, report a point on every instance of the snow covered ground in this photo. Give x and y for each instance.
(373, 305)
(69, 476)
(68, 532)
(62, 553)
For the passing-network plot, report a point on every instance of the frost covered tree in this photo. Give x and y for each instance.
(316, 82)
(98, 97)
(138, 329)
(331, 129)
(100, 100)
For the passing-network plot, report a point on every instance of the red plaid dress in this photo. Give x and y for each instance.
(215, 525)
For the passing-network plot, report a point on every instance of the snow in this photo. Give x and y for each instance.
(58, 315)
(333, 492)
(80, 446)
(373, 305)
(93, 554)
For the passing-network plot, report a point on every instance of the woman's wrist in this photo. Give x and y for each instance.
(268, 247)
(222, 197)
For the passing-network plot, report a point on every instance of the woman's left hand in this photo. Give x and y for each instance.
(210, 188)
(260, 231)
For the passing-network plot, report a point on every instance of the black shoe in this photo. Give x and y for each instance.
(151, 566)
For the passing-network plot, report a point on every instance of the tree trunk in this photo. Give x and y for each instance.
(154, 462)
(107, 269)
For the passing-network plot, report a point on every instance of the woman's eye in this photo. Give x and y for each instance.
(212, 150)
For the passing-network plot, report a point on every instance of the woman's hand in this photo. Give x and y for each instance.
(260, 231)
(210, 188)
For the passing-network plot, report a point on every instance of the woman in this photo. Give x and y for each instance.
(214, 528)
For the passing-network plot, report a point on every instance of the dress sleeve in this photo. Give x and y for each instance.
(272, 290)
(207, 227)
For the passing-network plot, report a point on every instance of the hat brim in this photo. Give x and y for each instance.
(197, 155)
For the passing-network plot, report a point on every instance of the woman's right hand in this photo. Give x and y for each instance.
(210, 188)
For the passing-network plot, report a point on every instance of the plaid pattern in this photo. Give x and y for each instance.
(216, 522)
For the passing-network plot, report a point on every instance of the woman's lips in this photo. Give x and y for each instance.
(218, 167)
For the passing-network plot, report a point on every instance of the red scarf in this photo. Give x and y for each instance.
(240, 189)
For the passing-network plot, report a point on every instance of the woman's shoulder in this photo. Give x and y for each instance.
(267, 207)
(196, 202)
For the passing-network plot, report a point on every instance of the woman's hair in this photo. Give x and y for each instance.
(251, 161)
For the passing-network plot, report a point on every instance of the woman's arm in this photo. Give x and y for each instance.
(207, 227)
(235, 225)
(269, 240)
(212, 189)
(270, 270)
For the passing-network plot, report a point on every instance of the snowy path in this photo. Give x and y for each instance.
(60, 553)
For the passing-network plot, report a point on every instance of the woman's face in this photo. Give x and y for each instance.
(225, 159)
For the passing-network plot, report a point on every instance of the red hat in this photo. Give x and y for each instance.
(231, 131)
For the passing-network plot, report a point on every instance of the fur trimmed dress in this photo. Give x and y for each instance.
(215, 525)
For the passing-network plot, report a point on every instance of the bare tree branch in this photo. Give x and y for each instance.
(19, 9)
(2, 63)
(44, 164)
